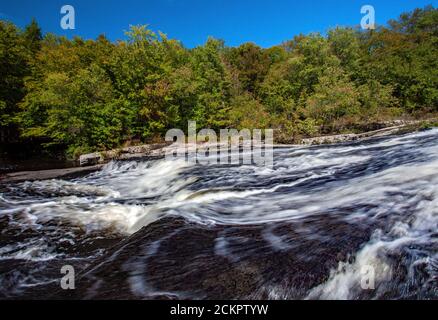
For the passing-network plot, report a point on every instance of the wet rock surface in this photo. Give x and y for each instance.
(33, 270)
(305, 228)
(175, 258)
(67, 173)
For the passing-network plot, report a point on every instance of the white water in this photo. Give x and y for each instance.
(395, 179)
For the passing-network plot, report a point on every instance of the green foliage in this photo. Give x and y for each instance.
(251, 64)
(210, 75)
(405, 57)
(15, 59)
(248, 113)
(334, 97)
(376, 99)
(33, 36)
(85, 95)
(345, 45)
(76, 111)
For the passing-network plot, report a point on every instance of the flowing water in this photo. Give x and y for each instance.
(307, 228)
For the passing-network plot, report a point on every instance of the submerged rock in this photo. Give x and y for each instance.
(177, 259)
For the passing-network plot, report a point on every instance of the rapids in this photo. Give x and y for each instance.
(302, 229)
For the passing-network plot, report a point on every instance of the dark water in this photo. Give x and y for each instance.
(310, 227)
(32, 164)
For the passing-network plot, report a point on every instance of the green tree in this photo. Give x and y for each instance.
(345, 45)
(33, 36)
(251, 64)
(13, 69)
(213, 85)
(335, 97)
(94, 94)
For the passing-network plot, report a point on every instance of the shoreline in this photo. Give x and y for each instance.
(339, 138)
(22, 176)
(95, 161)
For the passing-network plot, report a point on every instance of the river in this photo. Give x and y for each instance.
(306, 228)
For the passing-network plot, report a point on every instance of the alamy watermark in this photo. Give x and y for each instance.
(229, 147)
(368, 21)
(68, 281)
(68, 20)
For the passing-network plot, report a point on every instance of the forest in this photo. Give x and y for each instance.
(75, 96)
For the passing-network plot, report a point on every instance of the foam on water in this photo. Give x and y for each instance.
(392, 178)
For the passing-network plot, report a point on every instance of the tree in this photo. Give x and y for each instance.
(345, 45)
(335, 97)
(417, 21)
(84, 95)
(13, 69)
(283, 86)
(408, 63)
(251, 64)
(33, 36)
(77, 112)
(213, 84)
(248, 113)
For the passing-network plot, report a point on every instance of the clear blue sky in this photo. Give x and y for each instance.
(266, 22)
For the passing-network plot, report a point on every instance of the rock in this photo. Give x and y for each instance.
(136, 149)
(21, 176)
(329, 139)
(174, 258)
(128, 153)
(397, 126)
(90, 159)
(143, 149)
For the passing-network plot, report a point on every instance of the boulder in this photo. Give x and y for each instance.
(90, 159)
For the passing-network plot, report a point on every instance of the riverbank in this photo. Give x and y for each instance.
(397, 127)
(94, 161)
(159, 150)
(22, 176)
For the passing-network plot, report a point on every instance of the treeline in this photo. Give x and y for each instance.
(83, 95)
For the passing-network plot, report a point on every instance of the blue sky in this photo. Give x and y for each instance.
(266, 23)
